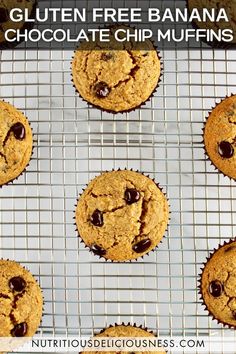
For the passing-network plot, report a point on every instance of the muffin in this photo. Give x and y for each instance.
(122, 215)
(6, 23)
(117, 77)
(21, 301)
(126, 331)
(16, 143)
(220, 136)
(230, 9)
(218, 284)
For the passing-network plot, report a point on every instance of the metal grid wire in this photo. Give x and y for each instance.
(73, 143)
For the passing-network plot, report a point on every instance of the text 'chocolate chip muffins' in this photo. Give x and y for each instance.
(218, 284)
(16, 143)
(20, 299)
(122, 215)
(126, 330)
(220, 136)
(116, 76)
(6, 23)
(217, 5)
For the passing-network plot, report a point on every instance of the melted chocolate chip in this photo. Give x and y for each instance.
(132, 195)
(142, 246)
(230, 248)
(234, 315)
(99, 251)
(19, 131)
(215, 288)
(97, 218)
(225, 149)
(3, 15)
(19, 330)
(102, 90)
(17, 284)
(107, 56)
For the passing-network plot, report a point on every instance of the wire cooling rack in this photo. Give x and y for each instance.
(72, 144)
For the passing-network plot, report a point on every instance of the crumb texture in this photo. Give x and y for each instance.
(129, 227)
(218, 284)
(220, 129)
(16, 142)
(129, 75)
(20, 305)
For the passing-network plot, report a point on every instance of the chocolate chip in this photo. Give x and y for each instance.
(107, 56)
(97, 218)
(102, 90)
(225, 149)
(19, 131)
(132, 195)
(234, 315)
(230, 248)
(215, 288)
(19, 330)
(142, 245)
(99, 251)
(3, 15)
(17, 284)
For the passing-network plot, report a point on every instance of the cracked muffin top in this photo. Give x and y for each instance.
(16, 142)
(220, 136)
(218, 284)
(20, 299)
(116, 77)
(122, 215)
